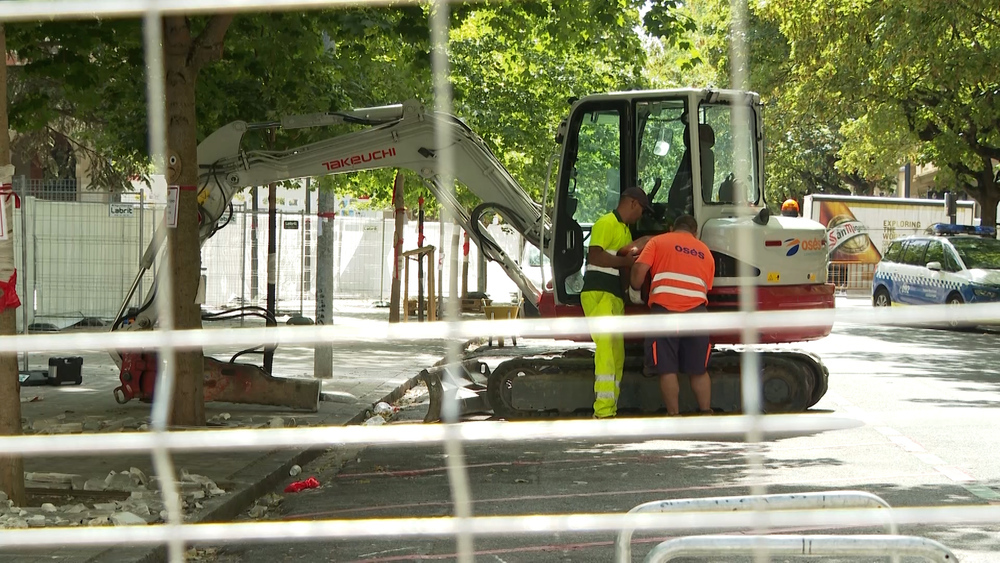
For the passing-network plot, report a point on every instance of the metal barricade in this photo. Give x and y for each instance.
(794, 501)
(851, 275)
(801, 546)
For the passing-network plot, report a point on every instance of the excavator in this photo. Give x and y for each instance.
(694, 151)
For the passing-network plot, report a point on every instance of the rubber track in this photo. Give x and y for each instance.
(806, 367)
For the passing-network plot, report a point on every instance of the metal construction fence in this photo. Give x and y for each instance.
(76, 258)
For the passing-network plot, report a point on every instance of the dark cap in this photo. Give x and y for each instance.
(637, 194)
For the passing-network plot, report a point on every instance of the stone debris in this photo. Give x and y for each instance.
(95, 485)
(294, 470)
(99, 521)
(118, 481)
(48, 507)
(137, 476)
(54, 481)
(276, 422)
(127, 519)
(258, 511)
(376, 420)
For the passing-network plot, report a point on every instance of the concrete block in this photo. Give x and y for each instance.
(78, 508)
(16, 523)
(48, 507)
(99, 521)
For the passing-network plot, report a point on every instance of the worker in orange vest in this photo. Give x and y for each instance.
(790, 208)
(682, 270)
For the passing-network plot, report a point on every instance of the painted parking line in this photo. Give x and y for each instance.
(954, 474)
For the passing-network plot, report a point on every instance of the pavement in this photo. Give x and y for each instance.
(365, 373)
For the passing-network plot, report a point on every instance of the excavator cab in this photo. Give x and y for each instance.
(697, 152)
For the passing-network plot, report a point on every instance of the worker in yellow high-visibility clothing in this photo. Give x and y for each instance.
(611, 251)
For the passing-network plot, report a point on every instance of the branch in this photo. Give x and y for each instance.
(207, 47)
(979, 15)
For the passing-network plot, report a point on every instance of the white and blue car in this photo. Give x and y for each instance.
(951, 264)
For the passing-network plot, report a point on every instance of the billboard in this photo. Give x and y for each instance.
(859, 229)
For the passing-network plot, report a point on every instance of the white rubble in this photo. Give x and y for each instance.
(127, 519)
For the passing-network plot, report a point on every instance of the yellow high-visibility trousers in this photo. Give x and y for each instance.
(609, 358)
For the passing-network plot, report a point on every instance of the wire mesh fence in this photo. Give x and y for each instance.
(78, 258)
(78, 252)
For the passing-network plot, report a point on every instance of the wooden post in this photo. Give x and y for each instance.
(406, 289)
(431, 301)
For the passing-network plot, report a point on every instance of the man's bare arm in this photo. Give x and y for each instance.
(638, 275)
(598, 257)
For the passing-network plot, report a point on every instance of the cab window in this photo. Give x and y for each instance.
(895, 249)
(935, 253)
(913, 252)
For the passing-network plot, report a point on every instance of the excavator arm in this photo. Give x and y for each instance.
(395, 136)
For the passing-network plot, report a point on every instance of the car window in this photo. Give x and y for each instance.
(951, 263)
(978, 252)
(895, 249)
(913, 252)
(935, 253)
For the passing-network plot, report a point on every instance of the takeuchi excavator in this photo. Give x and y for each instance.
(694, 151)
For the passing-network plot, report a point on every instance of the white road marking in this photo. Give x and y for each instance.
(956, 475)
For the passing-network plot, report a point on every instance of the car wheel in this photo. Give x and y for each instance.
(881, 298)
(955, 299)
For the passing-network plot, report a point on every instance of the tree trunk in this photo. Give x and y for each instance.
(989, 194)
(11, 468)
(188, 407)
(397, 248)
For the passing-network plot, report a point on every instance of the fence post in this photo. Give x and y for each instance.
(420, 261)
(243, 267)
(29, 301)
(141, 245)
(302, 262)
(323, 351)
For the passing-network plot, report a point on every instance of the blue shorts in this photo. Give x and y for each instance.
(686, 354)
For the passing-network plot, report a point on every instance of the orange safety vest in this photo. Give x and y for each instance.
(682, 270)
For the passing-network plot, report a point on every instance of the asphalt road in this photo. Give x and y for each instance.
(930, 435)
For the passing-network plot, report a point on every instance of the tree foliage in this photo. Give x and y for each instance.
(914, 77)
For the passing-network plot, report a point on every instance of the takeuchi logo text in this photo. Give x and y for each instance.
(361, 158)
(806, 245)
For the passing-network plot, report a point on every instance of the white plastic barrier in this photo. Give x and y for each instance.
(794, 501)
(801, 546)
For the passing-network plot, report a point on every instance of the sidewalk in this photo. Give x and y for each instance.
(364, 373)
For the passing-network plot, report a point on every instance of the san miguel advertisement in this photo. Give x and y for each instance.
(846, 236)
(859, 229)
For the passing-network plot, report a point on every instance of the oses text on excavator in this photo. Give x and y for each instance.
(352, 160)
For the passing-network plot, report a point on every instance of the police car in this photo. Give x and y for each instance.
(951, 264)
